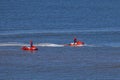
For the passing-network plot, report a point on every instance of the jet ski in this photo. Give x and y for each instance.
(29, 48)
(78, 43)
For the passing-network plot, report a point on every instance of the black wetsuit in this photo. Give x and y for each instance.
(31, 43)
(75, 40)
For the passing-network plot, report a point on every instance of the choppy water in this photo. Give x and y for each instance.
(51, 24)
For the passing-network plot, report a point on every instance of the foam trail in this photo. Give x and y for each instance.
(10, 44)
(49, 45)
(90, 45)
(22, 44)
(39, 44)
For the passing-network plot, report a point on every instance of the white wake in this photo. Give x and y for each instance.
(23, 44)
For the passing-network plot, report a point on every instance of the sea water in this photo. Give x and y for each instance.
(51, 24)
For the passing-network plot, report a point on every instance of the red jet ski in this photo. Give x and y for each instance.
(78, 43)
(29, 48)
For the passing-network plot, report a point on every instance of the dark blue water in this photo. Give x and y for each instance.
(51, 24)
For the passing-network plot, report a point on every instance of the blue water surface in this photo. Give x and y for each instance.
(51, 24)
